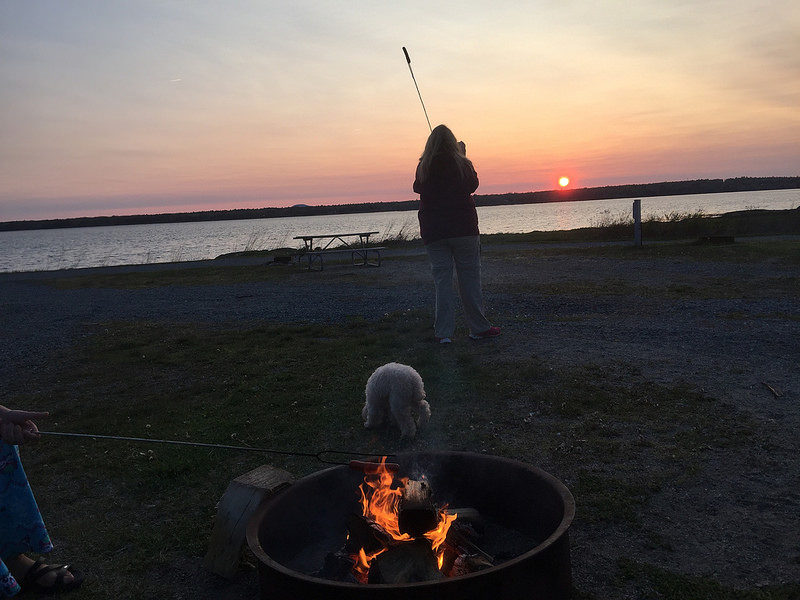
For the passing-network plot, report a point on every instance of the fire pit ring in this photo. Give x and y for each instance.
(291, 533)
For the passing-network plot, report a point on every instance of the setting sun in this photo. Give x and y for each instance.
(563, 182)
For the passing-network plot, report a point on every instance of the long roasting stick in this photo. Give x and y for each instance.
(408, 60)
(317, 455)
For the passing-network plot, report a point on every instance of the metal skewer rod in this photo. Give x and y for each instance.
(408, 60)
(318, 455)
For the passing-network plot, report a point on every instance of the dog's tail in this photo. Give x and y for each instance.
(424, 412)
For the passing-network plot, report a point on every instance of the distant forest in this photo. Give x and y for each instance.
(644, 190)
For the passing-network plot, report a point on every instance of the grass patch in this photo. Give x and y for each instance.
(679, 226)
(666, 585)
(210, 275)
(619, 438)
(284, 387)
(198, 276)
(746, 250)
(135, 510)
(750, 251)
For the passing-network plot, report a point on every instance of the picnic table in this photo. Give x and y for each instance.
(315, 247)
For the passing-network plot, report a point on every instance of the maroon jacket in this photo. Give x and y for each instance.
(446, 207)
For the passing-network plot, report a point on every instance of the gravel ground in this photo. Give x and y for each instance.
(39, 319)
(737, 521)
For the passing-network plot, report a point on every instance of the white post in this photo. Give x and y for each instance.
(637, 223)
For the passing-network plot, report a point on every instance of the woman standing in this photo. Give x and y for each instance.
(448, 223)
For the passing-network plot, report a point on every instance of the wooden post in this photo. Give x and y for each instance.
(243, 496)
(637, 223)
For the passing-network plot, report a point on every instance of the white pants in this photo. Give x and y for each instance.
(463, 253)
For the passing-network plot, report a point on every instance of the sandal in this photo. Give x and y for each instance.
(39, 568)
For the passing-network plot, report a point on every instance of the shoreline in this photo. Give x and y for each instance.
(54, 250)
(413, 248)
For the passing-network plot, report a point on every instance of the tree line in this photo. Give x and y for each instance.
(645, 190)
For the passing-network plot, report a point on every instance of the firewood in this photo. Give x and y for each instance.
(460, 539)
(417, 513)
(465, 514)
(365, 533)
(466, 564)
(338, 567)
(408, 562)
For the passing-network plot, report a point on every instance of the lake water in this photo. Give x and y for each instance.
(52, 249)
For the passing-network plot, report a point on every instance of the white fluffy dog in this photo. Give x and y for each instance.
(398, 390)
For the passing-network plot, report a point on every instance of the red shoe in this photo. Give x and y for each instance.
(489, 333)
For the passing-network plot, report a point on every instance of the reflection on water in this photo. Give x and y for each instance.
(52, 249)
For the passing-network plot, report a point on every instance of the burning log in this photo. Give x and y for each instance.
(458, 539)
(462, 554)
(399, 536)
(365, 534)
(465, 514)
(466, 564)
(417, 513)
(338, 567)
(408, 562)
(364, 537)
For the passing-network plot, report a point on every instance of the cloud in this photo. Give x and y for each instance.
(314, 98)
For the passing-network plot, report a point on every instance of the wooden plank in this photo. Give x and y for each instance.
(335, 235)
(242, 498)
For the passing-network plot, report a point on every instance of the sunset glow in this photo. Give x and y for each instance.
(563, 182)
(140, 106)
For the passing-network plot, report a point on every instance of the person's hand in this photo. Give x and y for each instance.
(17, 426)
(463, 147)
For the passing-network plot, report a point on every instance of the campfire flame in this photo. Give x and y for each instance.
(380, 501)
(438, 536)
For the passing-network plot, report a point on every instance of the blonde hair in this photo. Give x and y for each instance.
(442, 142)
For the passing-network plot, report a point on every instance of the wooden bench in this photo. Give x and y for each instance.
(361, 253)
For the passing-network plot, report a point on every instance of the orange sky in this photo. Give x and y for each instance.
(160, 106)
